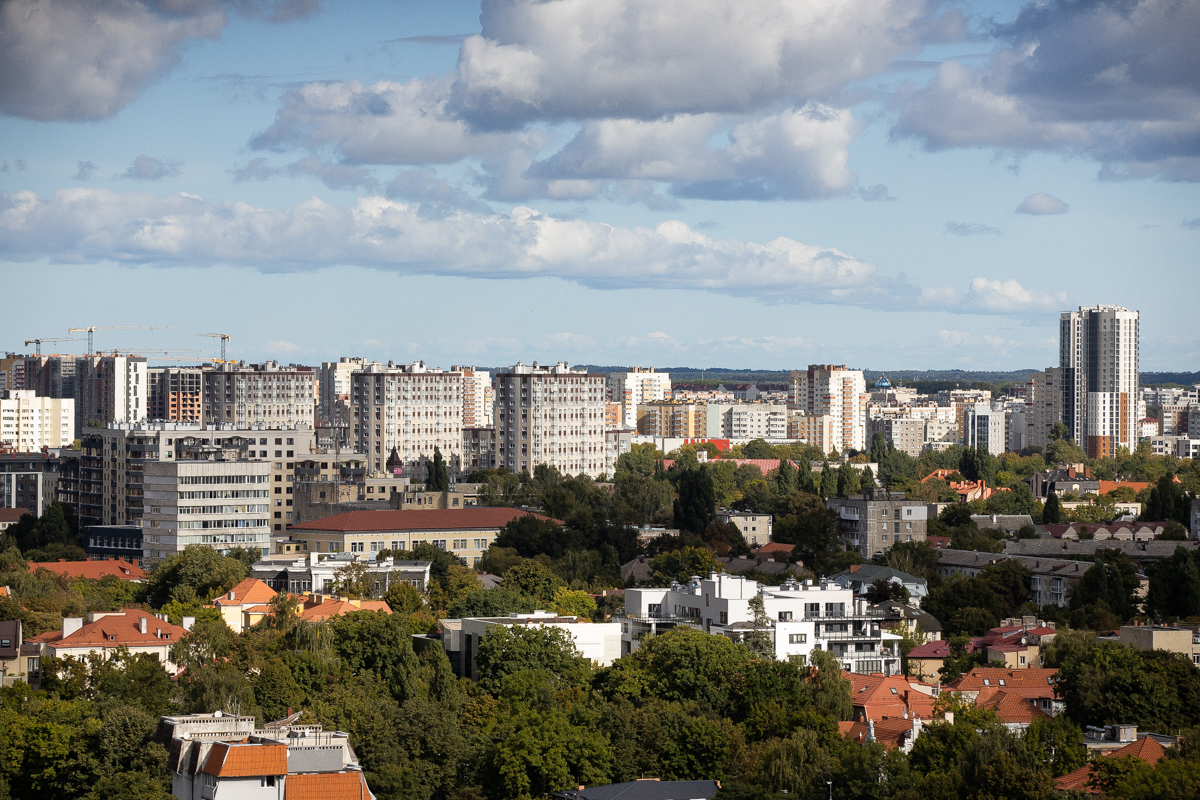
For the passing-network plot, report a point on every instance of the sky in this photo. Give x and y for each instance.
(889, 184)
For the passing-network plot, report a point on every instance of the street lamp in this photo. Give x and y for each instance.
(830, 785)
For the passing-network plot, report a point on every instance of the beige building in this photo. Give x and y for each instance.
(666, 418)
(245, 395)
(819, 430)
(410, 409)
(221, 504)
(550, 415)
(28, 423)
(477, 397)
(638, 386)
(467, 532)
(1184, 641)
(838, 392)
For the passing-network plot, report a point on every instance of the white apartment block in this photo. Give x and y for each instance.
(266, 394)
(636, 387)
(801, 618)
(984, 426)
(29, 423)
(1098, 356)
(1043, 406)
(478, 397)
(220, 504)
(411, 409)
(1177, 446)
(334, 392)
(551, 415)
(743, 422)
(839, 392)
(110, 389)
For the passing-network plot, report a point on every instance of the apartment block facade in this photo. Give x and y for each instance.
(28, 422)
(984, 427)
(671, 419)
(875, 520)
(267, 394)
(478, 397)
(838, 392)
(638, 386)
(110, 389)
(1098, 357)
(411, 409)
(176, 394)
(1043, 406)
(550, 415)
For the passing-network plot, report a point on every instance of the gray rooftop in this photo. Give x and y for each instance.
(1061, 548)
(645, 790)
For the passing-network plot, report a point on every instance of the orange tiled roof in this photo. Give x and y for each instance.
(327, 786)
(1145, 748)
(114, 630)
(416, 520)
(878, 696)
(1010, 707)
(251, 590)
(94, 570)
(314, 612)
(12, 514)
(888, 730)
(227, 760)
(973, 681)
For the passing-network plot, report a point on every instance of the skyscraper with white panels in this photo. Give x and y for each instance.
(1098, 359)
(550, 415)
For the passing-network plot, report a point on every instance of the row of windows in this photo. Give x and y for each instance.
(212, 479)
(202, 524)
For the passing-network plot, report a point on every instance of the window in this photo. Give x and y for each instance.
(812, 609)
(785, 616)
(797, 638)
(724, 619)
(835, 609)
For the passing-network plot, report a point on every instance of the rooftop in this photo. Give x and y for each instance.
(416, 520)
(94, 570)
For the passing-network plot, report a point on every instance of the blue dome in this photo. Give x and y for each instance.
(883, 383)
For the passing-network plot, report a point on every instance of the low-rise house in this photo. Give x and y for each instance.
(94, 570)
(893, 733)
(906, 619)
(1103, 531)
(598, 641)
(877, 697)
(10, 652)
(1141, 553)
(925, 660)
(1036, 685)
(1008, 524)
(226, 756)
(756, 528)
(1016, 710)
(1173, 639)
(775, 551)
(1052, 577)
(1071, 480)
(11, 516)
(103, 633)
(860, 577)
(319, 608)
(316, 572)
(245, 605)
(1145, 749)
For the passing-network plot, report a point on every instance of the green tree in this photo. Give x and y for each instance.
(530, 535)
(1056, 744)
(1175, 585)
(696, 505)
(759, 640)
(536, 754)
(378, 642)
(199, 571)
(438, 479)
(508, 649)
(497, 602)
(1052, 511)
(680, 565)
(1113, 580)
(531, 579)
(797, 766)
(829, 481)
(276, 692)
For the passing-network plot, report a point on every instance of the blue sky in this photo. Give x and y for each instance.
(886, 184)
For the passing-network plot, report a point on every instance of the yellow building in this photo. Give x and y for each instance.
(669, 419)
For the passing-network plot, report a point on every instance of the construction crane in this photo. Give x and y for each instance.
(145, 351)
(37, 343)
(224, 337)
(92, 328)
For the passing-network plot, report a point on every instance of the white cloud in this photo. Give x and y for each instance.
(71, 60)
(148, 168)
(1040, 204)
(84, 225)
(280, 346)
(971, 229)
(1010, 297)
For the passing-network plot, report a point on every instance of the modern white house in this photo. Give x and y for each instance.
(801, 617)
(598, 641)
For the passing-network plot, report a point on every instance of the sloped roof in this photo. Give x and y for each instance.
(327, 786)
(869, 573)
(337, 608)
(417, 520)
(114, 630)
(1146, 748)
(95, 570)
(12, 514)
(889, 731)
(237, 760)
(251, 591)
(1010, 707)
(1041, 680)
(651, 790)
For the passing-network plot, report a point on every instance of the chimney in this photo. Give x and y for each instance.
(1070, 472)
(70, 625)
(231, 595)
(188, 622)
(142, 624)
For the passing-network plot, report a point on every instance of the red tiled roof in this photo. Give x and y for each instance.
(114, 630)
(938, 542)
(251, 590)
(327, 786)
(1040, 680)
(94, 570)
(888, 730)
(336, 608)
(1146, 749)
(236, 760)
(776, 547)
(935, 649)
(12, 514)
(1010, 707)
(417, 520)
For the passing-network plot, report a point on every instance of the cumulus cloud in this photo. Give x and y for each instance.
(971, 229)
(1114, 80)
(1010, 297)
(70, 60)
(1040, 204)
(335, 176)
(148, 168)
(85, 171)
(257, 169)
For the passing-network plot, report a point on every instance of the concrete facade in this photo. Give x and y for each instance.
(638, 386)
(267, 394)
(29, 423)
(1098, 356)
(839, 392)
(550, 415)
(872, 522)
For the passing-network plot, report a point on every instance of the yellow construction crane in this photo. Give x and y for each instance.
(224, 337)
(37, 343)
(144, 351)
(92, 328)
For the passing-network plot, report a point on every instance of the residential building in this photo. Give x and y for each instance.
(755, 527)
(839, 392)
(333, 404)
(872, 522)
(1173, 639)
(245, 605)
(410, 409)
(103, 633)
(598, 641)
(478, 397)
(467, 532)
(1043, 398)
(28, 480)
(315, 573)
(110, 389)
(801, 617)
(29, 423)
(320, 608)
(11, 669)
(1127, 744)
(984, 427)
(479, 449)
(1176, 446)
(222, 755)
(819, 430)
(860, 577)
(878, 697)
(638, 386)
(668, 418)
(617, 442)
(113, 542)
(1148, 427)
(906, 434)
(12, 371)
(218, 503)
(1098, 356)
(553, 416)
(11, 516)
(175, 394)
(273, 396)
(92, 570)
(1037, 685)
(743, 422)
(1052, 576)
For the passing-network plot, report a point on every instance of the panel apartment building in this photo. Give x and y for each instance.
(551, 415)
(1098, 357)
(638, 386)
(1043, 406)
(410, 409)
(245, 395)
(28, 422)
(176, 394)
(841, 393)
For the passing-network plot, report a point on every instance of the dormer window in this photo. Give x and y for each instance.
(987, 682)
(1002, 681)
